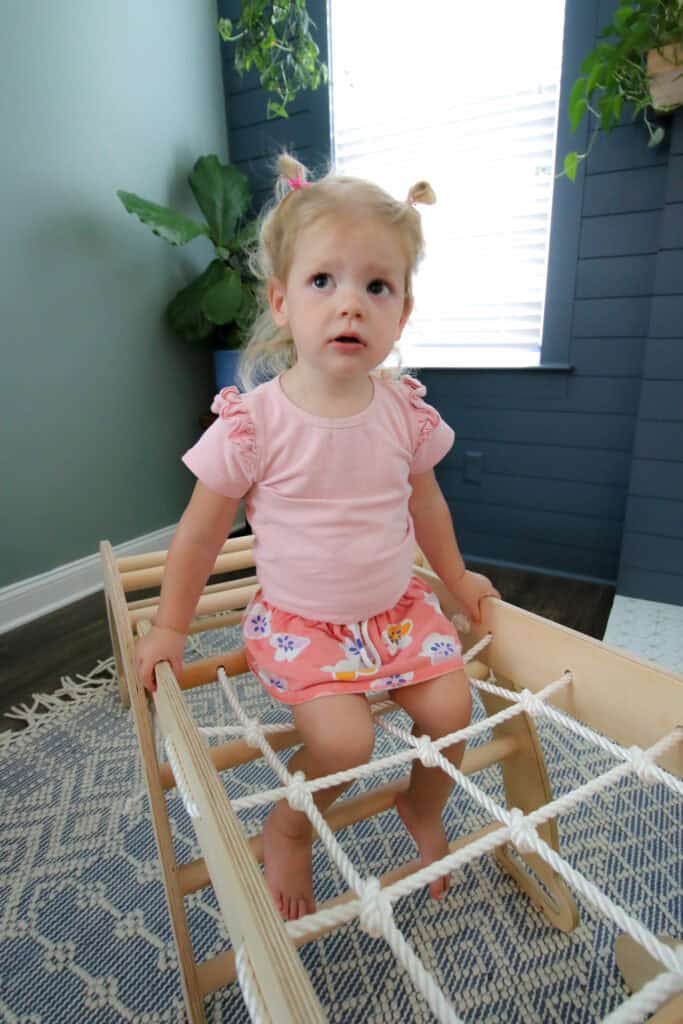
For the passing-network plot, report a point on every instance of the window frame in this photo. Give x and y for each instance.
(580, 28)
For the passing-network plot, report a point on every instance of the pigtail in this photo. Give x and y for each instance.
(421, 192)
(291, 175)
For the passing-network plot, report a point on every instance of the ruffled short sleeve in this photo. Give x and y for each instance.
(225, 458)
(432, 437)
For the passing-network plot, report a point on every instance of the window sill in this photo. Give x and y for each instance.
(534, 368)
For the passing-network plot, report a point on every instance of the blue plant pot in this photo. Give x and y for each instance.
(225, 367)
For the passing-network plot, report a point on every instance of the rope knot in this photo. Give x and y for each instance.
(521, 831)
(297, 794)
(252, 732)
(532, 704)
(642, 764)
(375, 908)
(427, 754)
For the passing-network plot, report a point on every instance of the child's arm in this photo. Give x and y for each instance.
(199, 536)
(436, 537)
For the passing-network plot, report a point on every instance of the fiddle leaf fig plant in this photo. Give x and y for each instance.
(615, 72)
(275, 38)
(216, 307)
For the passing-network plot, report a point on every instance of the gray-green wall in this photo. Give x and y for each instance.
(97, 399)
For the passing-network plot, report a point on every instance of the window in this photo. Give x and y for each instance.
(419, 92)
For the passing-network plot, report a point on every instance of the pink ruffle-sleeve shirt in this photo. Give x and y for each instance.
(327, 499)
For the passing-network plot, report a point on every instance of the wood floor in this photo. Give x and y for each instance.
(35, 656)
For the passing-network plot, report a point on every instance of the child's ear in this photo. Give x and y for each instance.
(407, 310)
(277, 301)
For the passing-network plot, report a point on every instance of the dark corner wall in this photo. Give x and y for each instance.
(576, 471)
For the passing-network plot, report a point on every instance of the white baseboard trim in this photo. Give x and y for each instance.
(30, 598)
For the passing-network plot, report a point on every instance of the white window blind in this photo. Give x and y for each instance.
(467, 99)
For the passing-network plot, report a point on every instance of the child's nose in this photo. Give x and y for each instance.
(351, 303)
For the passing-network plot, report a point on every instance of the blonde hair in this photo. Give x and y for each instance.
(298, 204)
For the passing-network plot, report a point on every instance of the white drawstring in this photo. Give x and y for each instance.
(365, 644)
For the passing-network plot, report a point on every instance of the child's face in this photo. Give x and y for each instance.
(347, 281)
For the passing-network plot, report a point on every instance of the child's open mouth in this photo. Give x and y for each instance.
(347, 339)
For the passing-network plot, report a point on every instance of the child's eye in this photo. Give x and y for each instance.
(378, 287)
(320, 280)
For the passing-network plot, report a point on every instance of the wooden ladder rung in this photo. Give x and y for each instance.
(219, 971)
(194, 875)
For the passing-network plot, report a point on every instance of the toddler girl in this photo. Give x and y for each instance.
(335, 462)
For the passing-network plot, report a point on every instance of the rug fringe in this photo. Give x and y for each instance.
(72, 693)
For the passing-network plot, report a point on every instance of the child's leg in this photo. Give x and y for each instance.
(437, 707)
(337, 733)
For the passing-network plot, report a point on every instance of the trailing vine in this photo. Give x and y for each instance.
(275, 38)
(615, 72)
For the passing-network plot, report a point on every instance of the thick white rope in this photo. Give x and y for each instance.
(524, 836)
(373, 910)
(394, 760)
(239, 732)
(533, 705)
(180, 779)
(651, 996)
(373, 904)
(249, 988)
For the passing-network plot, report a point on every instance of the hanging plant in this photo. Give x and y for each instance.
(616, 71)
(275, 39)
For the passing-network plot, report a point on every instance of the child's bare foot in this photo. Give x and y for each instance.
(287, 866)
(430, 838)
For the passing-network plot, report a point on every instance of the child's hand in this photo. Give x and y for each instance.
(470, 589)
(161, 644)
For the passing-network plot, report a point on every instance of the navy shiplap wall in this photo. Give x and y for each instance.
(652, 549)
(555, 470)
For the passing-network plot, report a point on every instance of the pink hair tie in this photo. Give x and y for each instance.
(296, 183)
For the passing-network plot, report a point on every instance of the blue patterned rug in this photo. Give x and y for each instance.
(84, 933)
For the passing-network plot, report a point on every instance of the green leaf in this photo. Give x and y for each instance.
(606, 108)
(618, 107)
(222, 301)
(577, 103)
(594, 77)
(571, 163)
(222, 194)
(173, 227)
(656, 137)
(225, 29)
(276, 110)
(622, 17)
(185, 312)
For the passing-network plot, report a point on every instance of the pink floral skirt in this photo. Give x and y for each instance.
(297, 659)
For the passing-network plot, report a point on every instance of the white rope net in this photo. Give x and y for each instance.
(372, 904)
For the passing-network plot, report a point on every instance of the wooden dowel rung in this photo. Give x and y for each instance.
(244, 581)
(343, 813)
(201, 625)
(130, 563)
(225, 601)
(231, 754)
(236, 752)
(216, 621)
(193, 876)
(197, 673)
(220, 970)
(215, 973)
(142, 579)
(211, 588)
